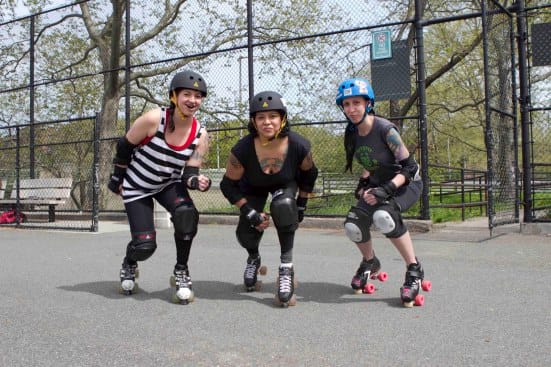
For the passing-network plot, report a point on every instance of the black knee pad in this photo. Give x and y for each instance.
(247, 236)
(142, 246)
(357, 224)
(284, 211)
(388, 220)
(185, 220)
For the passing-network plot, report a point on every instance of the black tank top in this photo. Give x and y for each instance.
(254, 180)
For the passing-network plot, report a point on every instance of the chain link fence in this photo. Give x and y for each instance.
(539, 51)
(51, 74)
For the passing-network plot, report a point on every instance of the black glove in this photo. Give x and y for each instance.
(194, 183)
(252, 215)
(116, 179)
(384, 192)
(301, 206)
(363, 184)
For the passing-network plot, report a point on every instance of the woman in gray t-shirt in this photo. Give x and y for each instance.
(390, 184)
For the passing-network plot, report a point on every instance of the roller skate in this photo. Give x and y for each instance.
(409, 292)
(250, 276)
(369, 269)
(181, 281)
(128, 275)
(286, 285)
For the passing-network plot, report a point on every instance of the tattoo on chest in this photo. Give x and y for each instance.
(271, 165)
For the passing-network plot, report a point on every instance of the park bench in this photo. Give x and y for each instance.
(49, 192)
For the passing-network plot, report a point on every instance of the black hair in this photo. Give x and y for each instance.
(350, 145)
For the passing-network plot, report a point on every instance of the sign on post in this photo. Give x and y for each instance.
(381, 45)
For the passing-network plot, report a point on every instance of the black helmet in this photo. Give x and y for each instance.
(269, 101)
(188, 80)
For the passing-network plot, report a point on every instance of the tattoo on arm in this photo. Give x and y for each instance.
(197, 155)
(396, 145)
(307, 162)
(234, 162)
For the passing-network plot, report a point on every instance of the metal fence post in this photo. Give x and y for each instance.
(95, 178)
(524, 111)
(422, 107)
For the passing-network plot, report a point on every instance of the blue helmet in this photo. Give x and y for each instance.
(355, 87)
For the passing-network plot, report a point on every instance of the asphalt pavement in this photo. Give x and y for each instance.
(488, 305)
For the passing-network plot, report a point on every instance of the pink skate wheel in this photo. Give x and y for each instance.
(369, 288)
(426, 285)
(419, 300)
(382, 277)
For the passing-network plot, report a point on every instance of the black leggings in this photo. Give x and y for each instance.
(140, 215)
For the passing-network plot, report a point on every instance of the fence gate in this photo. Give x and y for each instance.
(501, 110)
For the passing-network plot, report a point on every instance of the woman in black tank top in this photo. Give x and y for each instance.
(270, 160)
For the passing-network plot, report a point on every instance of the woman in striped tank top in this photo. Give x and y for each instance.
(159, 159)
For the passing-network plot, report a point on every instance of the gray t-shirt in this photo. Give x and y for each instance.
(373, 153)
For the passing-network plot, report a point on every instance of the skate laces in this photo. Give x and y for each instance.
(364, 271)
(128, 271)
(183, 280)
(285, 280)
(251, 268)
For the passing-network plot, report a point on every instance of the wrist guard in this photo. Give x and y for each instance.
(384, 192)
(363, 184)
(115, 181)
(301, 206)
(252, 215)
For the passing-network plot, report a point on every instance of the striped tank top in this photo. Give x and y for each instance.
(155, 164)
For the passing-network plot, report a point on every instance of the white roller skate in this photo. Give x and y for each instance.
(181, 281)
(128, 275)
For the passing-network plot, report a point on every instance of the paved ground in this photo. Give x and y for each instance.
(488, 306)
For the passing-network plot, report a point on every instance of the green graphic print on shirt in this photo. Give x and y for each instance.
(364, 157)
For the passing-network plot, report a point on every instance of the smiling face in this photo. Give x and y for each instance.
(189, 101)
(267, 123)
(354, 108)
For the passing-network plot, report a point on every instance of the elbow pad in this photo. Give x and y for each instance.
(410, 169)
(124, 151)
(307, 179)
(230, 189)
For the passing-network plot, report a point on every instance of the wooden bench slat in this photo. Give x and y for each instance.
(43, 193)
(34, 201)
(32, 183)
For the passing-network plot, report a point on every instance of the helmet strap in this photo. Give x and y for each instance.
(174, 99)
(368, 109)
(283, 123)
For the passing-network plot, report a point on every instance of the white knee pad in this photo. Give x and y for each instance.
(356, 225)
(353, 232)
(383, 221)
